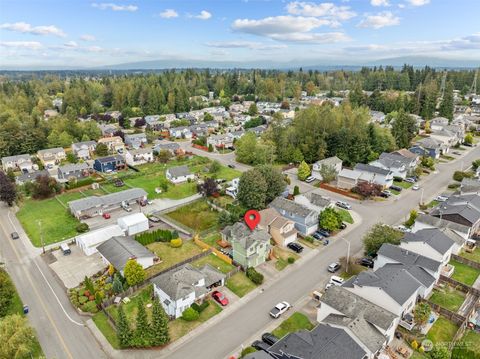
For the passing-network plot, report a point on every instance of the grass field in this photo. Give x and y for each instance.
(449, 298)
(443, 330)
(101, 321)
(197, 216)
(240, 284)
(345, 215)
(464, 273)
(131, 308)
(474, 256)
(215, 262)
(56, 222)
(295, 322)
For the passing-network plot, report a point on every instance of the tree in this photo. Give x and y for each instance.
(8, 190)
(210, 147)
(285, 105)
(367, 189)
(275, 182)
(140, 122)
(190, 314)
(160, 334)
(404, 128)
(7, 291)
(439, 352)
(328, 173)
(329, 219)
(88, 283)
(475, 164)
(71, 157)
(252, 189)
(378, 235)
(447, 105)
(117, 286)
(422, 313)
(303, 171)
(428, 162)
(412, 218)
(253, 110)
(101, 149)
(45, 186)
(133, 272)
(215, 166)
(124, 332)
(164, 156)
(296, 191)
(16, 337)
(142, 334)
(468, 139)
(208, 187)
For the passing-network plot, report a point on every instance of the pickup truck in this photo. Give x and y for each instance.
(279, 309)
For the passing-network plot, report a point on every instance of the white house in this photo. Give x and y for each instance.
(232, 189)
(133, 223)
(314, 201)
(88, 242)
(377, 175)
(179, 174)
(431, 243)
(84, 150)
(19, 162)
(140, 156)
(179, 288)
(397, 164)
(333, 162)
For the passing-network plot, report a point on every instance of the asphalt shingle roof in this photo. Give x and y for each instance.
(118, 250)
(179, 171)
(407, 257)
(431, 236)
(280, 203)
(83, 204)
(369, 168)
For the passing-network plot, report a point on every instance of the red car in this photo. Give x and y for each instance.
(106, 215)
(220, 298)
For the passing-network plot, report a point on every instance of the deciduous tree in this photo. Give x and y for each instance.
(252, 190)
(8, 190)
(378, 235)
(133, 272)
(303, 171)
(16, 337)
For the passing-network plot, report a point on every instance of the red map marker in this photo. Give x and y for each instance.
(252, 218)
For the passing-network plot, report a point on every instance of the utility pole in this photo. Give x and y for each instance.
(348, 254)
(421, 197)
(41, 235)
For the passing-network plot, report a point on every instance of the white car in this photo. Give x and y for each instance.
(403, 229)
(279, 309)
(310, 179)
(441, 198)
(336, 280)
(343, 205)
(416, 187)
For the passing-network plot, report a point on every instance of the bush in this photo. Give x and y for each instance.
(454, 185)
(200, 308)
(82, 299)
(190, 314)
(291, 260)
(247, 350)
(459, 175)
(176, 243)
(254, 276)
(159, 235)
(296, 191)
(90, 307)
(309, 239)
(82, 227)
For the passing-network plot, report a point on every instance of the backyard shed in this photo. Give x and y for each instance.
(133, 224)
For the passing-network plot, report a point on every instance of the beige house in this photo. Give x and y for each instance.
(280, 228)
(51, 157)
(115, 144)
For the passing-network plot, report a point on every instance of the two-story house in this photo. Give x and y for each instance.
(280, 228)
(398, 165)
(314, 201)
(377, 175)
(84, 150)
(21, 163)
(249, 248)
(431, 243)
(51, 157)
(428, 147)
(333, 162)
(140, 156)
(180, 132)
(179, 174)
(220, 141)
(77, 171)
(136, 140)
(109, 163)
(306, 219)
(115, 144)
(179, 288)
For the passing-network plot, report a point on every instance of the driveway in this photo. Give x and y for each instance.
(72, 268)
(99, 222)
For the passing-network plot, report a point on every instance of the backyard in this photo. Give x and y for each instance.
(464, 273)
(131, 307)
(198, 216)
(448, 298)
(443, 330)
(474, 256)
(215, 262)
(295, 322)
(240, 284)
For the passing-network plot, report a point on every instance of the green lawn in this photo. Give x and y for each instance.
(179, 191)
(295, 322)
(474, 256)
(101, 321)
(404, 185)
(170, 256)
(212, 239)
(215, 262)
(345, 215)
(197, 215)
(240, 284)
(56, 222)
(131, 308)
(226, 173)
(443, 330)
(471, 340)
(448, 298)
(464, 273)
(282, 256)
(395, 192)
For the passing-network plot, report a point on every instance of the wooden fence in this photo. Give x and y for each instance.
(454, 317)
(219, 254)
(466, 261)
(338, 190)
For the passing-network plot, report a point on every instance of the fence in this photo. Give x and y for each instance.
(219, 254)
(465, 288)
(454, 317)
(466, 261)
(338, 190)
(200, 147)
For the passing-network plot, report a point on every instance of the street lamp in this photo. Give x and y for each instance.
(421, 197)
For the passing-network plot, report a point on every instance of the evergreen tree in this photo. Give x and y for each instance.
(160, 334)
(142, 334)
(303, 171)
(124, 332)
(447, 106)
(117, 285)
(403, 129)
(8, 190)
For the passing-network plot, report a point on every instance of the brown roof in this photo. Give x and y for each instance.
(271, 217)
(406, 153)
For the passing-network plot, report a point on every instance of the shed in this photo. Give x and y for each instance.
(89, 241)
(133, 224)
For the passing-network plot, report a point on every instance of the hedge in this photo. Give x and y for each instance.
(80, 183)
(159, 235)
(254, 276)
(190, 314)
(200, 308)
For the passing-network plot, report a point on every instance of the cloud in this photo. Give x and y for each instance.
(30, 45)
(252, 45)
(204, 15)
(327, 10)
(168, 14)
(71, 44)
(115, 7)
(26, 28)
(87, 37)
(379, 3)
(471, 42)
(379, 20)
(418, 2)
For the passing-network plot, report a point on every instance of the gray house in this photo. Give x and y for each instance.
(84, 150)
(136, 140)
(18, 163)
(306, 219)
(78, 170)
(30, 176)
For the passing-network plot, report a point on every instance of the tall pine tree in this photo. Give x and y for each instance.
(447, 106)
(160, 335)
(124, 333)
(142, 333)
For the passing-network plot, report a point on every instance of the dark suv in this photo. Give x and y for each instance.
(366, 262)
(323, 232)
(269, 338)
(295, 247)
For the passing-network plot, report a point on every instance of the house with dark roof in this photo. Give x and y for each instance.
(74, 170)
(428, 147)
(457, 232)
(470, 186)
(332, 162)
(172, 147)
(84, 150)
(109, 163)
(380, 176)
(179, 288)
(249, 248)
(136, 140)
(30, 176)
(369, 323)
(117, 251)
(306, 219)
(179, 174)
(397, 164)
(431, 242)
(314, 201)
(280, 228)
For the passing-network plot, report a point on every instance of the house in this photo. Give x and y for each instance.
(109, 163)
(140, 156)
(179, 174)
(179, 288)
(76, 170)
(369, 323)
(21, 163)
(348, 178)
(136, 140)
(428, 147)
(281, 229)
(97, 205)
(470, 186)
(115, 144)
(249, 248)
(84, 150)
(410, 159)
(314, 201)
(180, 132)
(220, 141)
(133, 224)
(49, 113)
(172, 147)
(431, 243)
(333, 162)
(258, 130)
(438, 123)
(117, 251)
(51, 157)
(232, 189)
(108, 130)
(30, 176)
(448, 138)
(154, 123)
(306, 219)
(397, 164)
(373, 174)
(88, 242)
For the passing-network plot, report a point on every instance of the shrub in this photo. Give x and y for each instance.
(247, 350)
(459, 175)
(254, 276)
(296, 191)
(90, 307)
(309, 239)
(176, 243)
(82, 227)
(190, 314)
(82, 299)
(200, 308)
(414, 345)
(291, 260)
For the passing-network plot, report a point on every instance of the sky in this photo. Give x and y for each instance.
(75, 33)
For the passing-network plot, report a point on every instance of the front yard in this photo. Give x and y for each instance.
(403, 184)
(464, 273)
(215, 262)
(448, 298)
(442, 331)
(345, 215)
(198, 216)
(283, 256)
(240, 284)
(474, 256)
(295, 322)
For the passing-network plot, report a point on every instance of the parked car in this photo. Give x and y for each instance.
(343, 205)
(396, 188)
(410, 180)
(269, 338)
(259, 345)
(317, 236)
(279, 309)
(295, 247)
(26, 309)
(126, 206)
(343, 225)
(328, 286)
(333, 267)
(403, 229)
(366, 262)
(415, 187)
(441, 198)
(14, 235)
(220, 298)
(106, 215)
(310, 179)
(385, 194)
(231, 166)
(154, 219)
(323, 232)
(336, 280)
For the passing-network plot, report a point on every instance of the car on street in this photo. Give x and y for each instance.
(279, 309)
(333, 267)
(220, 298)
(154, 219)
(259, 345)
(396, 188)
(323, 232)
(269, 338)
(14, 235)
(415, 187)
(310, 179)
(366, 262)
(343, 205)
(317, 236)
(26, 309)
(410, 180)
(343, 225)
(441, 198)
(336, 280)
(106, 215)
(231, 166)
(295, 247)
(403, 228)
